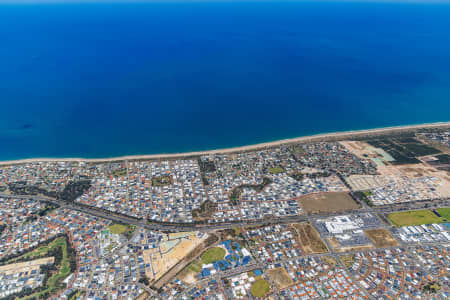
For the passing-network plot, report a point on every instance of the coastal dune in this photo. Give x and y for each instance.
(311, 138)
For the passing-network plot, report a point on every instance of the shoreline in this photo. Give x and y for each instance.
(308, 138)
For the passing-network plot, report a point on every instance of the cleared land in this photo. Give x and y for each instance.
(444, 212)
(334, 243)
(327, 202)
(177, 262)
(169, 254)
(260, 288)
(280, 277)
(212, 255)
(143, 296)
(366, 182)
(381, 238)
(416, 217)
(27, 266)
(309, 238)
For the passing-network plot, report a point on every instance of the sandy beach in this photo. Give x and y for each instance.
(310, 138)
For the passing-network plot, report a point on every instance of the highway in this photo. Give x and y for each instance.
(171, 227)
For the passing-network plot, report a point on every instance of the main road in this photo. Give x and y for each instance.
(173, 227)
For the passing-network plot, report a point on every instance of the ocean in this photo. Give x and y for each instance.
(107, 79)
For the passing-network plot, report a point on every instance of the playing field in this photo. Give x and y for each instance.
(276, 170)
(212, 255)
(381, 238)
(327, 202)
(117, 228)
(260, 288)
(416, 217)
(444, 212)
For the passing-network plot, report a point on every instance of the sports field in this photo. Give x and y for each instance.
(444, 212)
(117, 228)
(212, 255)
(260, 288)
(416, 217)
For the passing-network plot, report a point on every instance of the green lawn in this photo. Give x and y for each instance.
(212, 255)
(117, 228)
(276, 170)
(444, 212)
(195, 267)
(416, 217)
(260, 288)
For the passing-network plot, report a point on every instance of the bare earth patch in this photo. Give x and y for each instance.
(143, 296)
(338, 248)
(381, 238)
(309, 238)
(327, 202)
(280, 277)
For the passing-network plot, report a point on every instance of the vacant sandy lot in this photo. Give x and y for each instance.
(327, 202)
(367, 182)
(337, 247)
(309, 238)
(381, 238)
(143, 296)
(26, 266)
(170, 253)
(280, 277)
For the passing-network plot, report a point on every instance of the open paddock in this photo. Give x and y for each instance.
(381, 238)
(327, 202)
(280, 277)
(309, 238)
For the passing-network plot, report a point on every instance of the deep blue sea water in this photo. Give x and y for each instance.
(99, 80)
